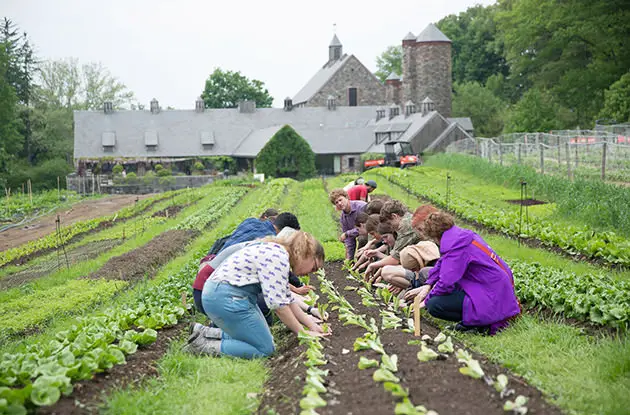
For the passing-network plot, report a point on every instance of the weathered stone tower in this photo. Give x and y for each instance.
(427, 68)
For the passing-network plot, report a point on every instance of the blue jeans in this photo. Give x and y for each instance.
(234, 310)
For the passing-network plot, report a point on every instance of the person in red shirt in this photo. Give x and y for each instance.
(361, 191)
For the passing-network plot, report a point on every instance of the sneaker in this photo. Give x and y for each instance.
(203, 346)
(194, 328)
(197, 329)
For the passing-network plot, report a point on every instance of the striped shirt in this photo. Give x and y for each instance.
(266, 264)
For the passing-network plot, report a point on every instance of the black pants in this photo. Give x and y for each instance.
(446, 307)
(261, 304)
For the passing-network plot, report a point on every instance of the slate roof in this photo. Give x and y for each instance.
(319, 80)
(335, 41)
(413, 123)
(465, 122)
(345, 130)
(432, 34)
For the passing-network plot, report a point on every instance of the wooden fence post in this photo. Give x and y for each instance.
(542, 158)
(604, 160)
(576, 155)
(518, 155)
(568, 160)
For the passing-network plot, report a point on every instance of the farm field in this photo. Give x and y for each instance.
(103, 331)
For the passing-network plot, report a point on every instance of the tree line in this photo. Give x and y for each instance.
(537, 65)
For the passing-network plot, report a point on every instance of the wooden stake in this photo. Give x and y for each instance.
(30, 191)
(416, 316)
(58, 189)
(184, 299)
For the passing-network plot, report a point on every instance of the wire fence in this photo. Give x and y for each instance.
(604, 156)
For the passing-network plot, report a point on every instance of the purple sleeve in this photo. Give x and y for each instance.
(351, 245)
(452, 268)
(434, 274)
(353, 233)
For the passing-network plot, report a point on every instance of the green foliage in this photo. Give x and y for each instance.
(131, 177)
(389, 61)
(118, 169)
(11, 140)
(471, 99)
(220, 163)
(198, 166)
(224, 89)
(477, 47)
(163, 172)
(287, 154)
(372, 156)
(42, 176)
(158, 167)
(617, 100)
(538, 110)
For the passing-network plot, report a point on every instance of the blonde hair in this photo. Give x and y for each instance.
(334, 195)
(300, 245)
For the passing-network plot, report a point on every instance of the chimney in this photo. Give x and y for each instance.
(380, 113)
(332, 104)
(247, 107)
(410, 108)
(107, 107)
(288, 104)
(394, 111)
(155, 106)
(199, 105)
(427, 106)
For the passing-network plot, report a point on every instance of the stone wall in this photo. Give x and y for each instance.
(346, 161)
(432, 77)
(409, 72)
(352, 75)
(393, 92)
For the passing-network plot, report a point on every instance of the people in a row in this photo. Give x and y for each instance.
(453, 272)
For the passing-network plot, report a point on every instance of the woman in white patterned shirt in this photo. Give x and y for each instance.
(229, 296)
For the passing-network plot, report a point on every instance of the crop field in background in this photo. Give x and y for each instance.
(93, 316)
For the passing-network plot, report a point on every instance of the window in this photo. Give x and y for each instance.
(352, 97)
(351, 162)
(337, 53)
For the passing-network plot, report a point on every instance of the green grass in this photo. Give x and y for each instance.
(189, 385)
(581, 373)
(592, 202)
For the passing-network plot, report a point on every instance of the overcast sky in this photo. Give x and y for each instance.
(167, 49)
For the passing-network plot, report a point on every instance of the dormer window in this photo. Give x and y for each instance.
(151, 140)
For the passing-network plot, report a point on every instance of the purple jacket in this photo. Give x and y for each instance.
(490, 298)
(348, 226)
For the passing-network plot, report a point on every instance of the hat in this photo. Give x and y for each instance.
(414, 257)
(371, 183)
(360, 180)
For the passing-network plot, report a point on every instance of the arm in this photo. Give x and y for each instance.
(303, 318)
(452, 268)
(285, 313)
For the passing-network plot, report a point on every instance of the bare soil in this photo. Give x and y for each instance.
(85, 210)
(169, 212)
(137, 263)
(438, 385)
(526, 202)
(89, 395)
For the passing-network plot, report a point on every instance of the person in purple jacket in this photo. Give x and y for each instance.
(349, 209)
(469, 284)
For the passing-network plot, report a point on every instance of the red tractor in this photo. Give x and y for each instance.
(397, 154)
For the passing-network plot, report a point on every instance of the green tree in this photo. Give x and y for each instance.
(538, 111)
(617, 101)
(286, 154)
(471, 99)
(66, 84)
(575, 49)
(389, 61)
(477, 47)
(224, 89)
(10, 138)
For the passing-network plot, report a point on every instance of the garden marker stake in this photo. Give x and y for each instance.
(448, 189)
(416, 316)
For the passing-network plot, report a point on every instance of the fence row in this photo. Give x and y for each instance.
(601, 159)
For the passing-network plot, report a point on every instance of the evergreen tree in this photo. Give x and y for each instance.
(287, 154)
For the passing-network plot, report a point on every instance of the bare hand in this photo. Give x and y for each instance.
(303, 290)
(320, 333)
(370, 253)
(422, 292)
(394, 290)
(343, 237)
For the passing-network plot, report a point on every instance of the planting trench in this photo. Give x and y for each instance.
(438, 385)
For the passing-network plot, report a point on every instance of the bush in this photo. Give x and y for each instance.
(43, 176)
(165, 181)
(132, 178)
(287, 154)
(158, 167)
(149, 177)
(198, 166)
(164, 172)
(117, 169)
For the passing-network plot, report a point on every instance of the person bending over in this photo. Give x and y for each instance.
(229, 296)
(413, 260)
(349, 210)
(470, 283)
(386, 240)
(394, 213)
(361, 191)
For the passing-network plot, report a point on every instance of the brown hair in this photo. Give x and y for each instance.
(334, 195)
(437, 223)
(421, 214)
(372, 223)
(300, 245)
(362, 217)
(390, 207)
(384, 228)
(374, 206)
(269, 213)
